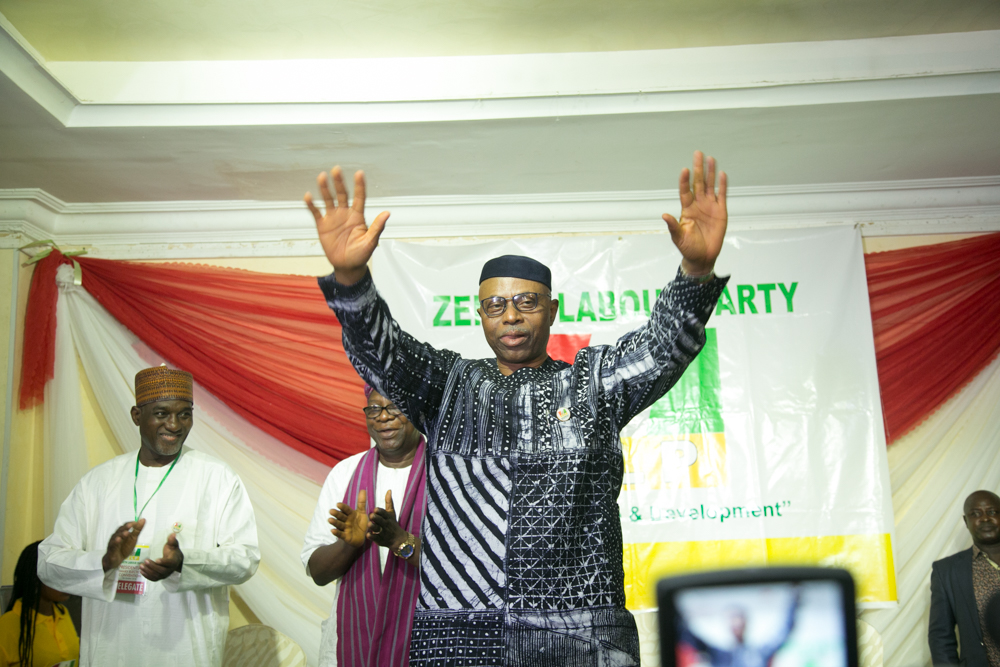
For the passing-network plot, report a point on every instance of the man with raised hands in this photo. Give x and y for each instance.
(182, 530)
(521, 546)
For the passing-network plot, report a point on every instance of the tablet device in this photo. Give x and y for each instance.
(759, 617)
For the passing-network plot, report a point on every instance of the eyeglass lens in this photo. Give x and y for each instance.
(373, 411)
(497, 305)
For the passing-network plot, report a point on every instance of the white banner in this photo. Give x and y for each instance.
(770, 449)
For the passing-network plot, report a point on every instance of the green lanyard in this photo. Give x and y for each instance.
(135, 495)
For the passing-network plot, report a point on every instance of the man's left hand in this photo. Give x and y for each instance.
(161, 568)
(702, 227)
(383, 529)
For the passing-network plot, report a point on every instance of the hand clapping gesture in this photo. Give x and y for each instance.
(161, 568)
(349, 524)
(122, 544)
(355, 527)
(347, 241)
(384, 529)
(702, 227)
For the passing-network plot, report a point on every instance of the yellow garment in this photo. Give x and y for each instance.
(55, 638)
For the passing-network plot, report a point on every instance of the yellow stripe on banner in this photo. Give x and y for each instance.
(867, 557)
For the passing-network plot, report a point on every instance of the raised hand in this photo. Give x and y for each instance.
(384, 529)
(122, 544)
(349, 524)
(347, 241)
(702, 227)
(171, 562)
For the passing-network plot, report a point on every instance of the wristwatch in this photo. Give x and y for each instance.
(405, 550)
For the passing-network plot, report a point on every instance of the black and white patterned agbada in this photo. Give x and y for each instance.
(521, 556)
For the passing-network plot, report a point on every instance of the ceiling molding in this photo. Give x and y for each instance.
(555, 106)
(26, 68)
(36, 195)
(247, 228)
(17, 233)
(465, 88)
(383, 80)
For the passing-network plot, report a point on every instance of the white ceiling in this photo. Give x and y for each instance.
(497, 103)
(185, 30)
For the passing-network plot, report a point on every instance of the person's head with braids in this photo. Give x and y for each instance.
(35, 597)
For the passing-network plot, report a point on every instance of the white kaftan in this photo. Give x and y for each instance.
(319, 534)
(183, 619)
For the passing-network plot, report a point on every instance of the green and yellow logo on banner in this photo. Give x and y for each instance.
(684, 445)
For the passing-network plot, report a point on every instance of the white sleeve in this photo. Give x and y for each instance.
(236, 554)
(67, 561)
(332, 493)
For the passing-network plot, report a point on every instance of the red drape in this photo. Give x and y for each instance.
(268, 346)
(38, 360)
(265, 344)
(936, 318)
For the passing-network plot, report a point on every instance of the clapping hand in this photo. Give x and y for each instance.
(122, 544)
(171, 562)
(384, 529)
(349, 524)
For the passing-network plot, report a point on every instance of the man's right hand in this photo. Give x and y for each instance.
(349, 524)
(347, 241)
(122, 544)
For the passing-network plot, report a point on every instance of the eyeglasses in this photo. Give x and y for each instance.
(373, 411)
(495, 306)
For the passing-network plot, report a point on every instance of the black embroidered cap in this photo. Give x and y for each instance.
(517, 266)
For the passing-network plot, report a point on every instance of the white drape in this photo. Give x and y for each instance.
(932, 470)
(64, 444)
(279, 594)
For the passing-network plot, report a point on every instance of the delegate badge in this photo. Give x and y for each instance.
(130, 580)
(563, 414)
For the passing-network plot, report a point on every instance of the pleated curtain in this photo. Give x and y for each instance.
(277, 400)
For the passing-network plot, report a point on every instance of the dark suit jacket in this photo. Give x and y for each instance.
(953, 602)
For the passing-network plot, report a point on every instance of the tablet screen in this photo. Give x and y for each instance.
(781, 624)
